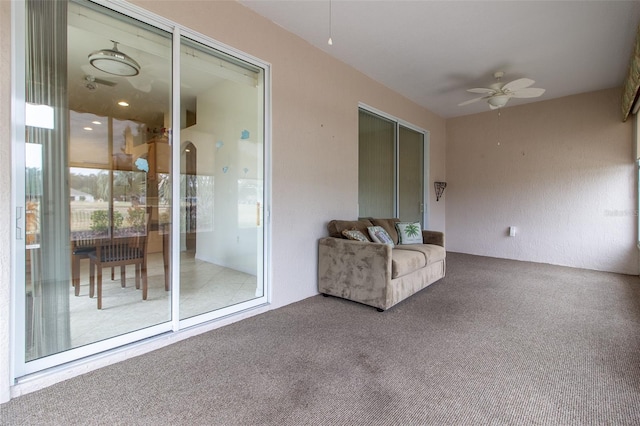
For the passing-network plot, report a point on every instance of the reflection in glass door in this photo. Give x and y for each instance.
(221, 180)
(134, 226)
(95, 205)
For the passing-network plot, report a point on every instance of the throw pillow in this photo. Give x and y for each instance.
(354, 234)
(379, 235)
(389, 225)
(335, 227)
(409, 232)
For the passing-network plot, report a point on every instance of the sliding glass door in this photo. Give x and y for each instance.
(410, 175)
(133, 226)
(221, 181)
(376, 166)
(391, 168)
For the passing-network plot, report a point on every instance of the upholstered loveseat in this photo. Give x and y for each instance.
(377, 274)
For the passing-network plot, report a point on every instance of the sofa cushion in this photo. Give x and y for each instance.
(409, 232)
(389, 225)
(404, 262)
(354, 234)
(335, 227)
(431, 252)
(379, 235)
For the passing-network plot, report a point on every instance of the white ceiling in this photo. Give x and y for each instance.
(432, 51)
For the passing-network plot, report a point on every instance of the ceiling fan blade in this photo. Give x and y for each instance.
(531, 92)
(105, 82)
(481, 90)
(470, 101)
(518, 84)
(141, 83)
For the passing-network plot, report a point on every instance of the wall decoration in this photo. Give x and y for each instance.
(439, 188)
(219, 144)
(245, 134)
(142, 164)
(225, 169)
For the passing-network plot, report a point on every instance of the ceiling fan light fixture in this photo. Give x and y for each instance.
(113, 61)
(497, 94)
(498, 101)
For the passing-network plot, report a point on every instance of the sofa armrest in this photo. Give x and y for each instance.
(433, 237)
(354, 270)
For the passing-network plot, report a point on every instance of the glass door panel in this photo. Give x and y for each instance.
(410, 175)
(221, 180)
(94, 187)
(376, 166)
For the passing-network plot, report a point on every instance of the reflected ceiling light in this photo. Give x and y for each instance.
(114, 62)
(88, 128)
(95, 122)
(123, 103)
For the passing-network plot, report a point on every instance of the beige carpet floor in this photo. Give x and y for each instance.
(496, 342)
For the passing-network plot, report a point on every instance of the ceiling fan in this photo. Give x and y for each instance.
(91, 82)
(497, 94)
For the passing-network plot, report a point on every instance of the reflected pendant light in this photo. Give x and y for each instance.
(114, 62)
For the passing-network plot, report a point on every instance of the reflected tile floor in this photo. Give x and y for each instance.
(205, 287)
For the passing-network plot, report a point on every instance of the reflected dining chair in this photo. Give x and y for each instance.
(80, 249)
(120, 251)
